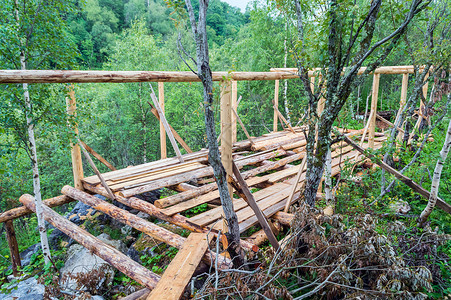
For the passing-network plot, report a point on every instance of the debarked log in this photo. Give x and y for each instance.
(140, 224)
(106, 252)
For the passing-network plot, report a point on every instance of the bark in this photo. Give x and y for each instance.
(204, 73)
(33, 155)
(436, 178)
(106, 252)
(340, 84)
(328, 178)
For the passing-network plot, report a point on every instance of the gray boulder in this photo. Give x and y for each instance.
(81, 262)
(28, 289)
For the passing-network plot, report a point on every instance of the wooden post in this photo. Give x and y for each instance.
(163, 148)
(402, 102)
(235, 107)
(375, 93)
(165, 124)
(276, 104)
(322, 100)
(77, 163)
(226, 133)
(13, 247)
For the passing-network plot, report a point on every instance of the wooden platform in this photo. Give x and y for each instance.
(268, 164)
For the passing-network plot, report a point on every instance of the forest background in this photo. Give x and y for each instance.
(115, 119)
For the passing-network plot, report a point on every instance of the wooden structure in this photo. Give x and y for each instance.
(265, 164)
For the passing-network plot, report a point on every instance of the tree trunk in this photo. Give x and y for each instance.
(436, 177)
(33, 154)
(204, 73)
(285, 87)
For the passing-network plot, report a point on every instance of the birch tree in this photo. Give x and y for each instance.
(199, 30)
(345, 40)
(436, 177)
(32, 32)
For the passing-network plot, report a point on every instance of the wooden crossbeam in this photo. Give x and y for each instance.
(283, 119)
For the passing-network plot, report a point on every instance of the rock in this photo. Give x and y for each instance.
(150, 196)
(399, 206)
(28, 289)
(145, 245)
(25, 256)
(81, 262)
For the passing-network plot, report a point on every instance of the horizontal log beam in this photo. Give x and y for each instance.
(23, 211)
(380, 70)
(69, 76)
(106, 252)
(140, 224)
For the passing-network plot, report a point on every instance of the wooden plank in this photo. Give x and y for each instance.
(295, 183)
(243, 190)
(176, 135)
(283, 119)
(94, 168)
(163, 147)
(200, 156)
(165, 124)
(374, 95)
(77, 163)
(135, 182)
(98, 156)
(214, 214)
(276, 104)
(204, 198)
(174, 280)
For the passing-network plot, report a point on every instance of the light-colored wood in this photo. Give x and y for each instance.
(402, 102)
(13, 247)
(151, 167)
(312, 83)
(176, 135)
(163, 147)
(94, 168)
(283, 119)
(23, 211)
(242, 126)
(244, 192)
(106, 252)
(374, 96)
(226, 128)
(295, 184)
(387, 122)
(380, 70)
(165, 124)
(181, 269)
(140, 224)
(322, 100)
(276, 104)
(77, 163)
(87, 76)
(234, 108)
(98, 156)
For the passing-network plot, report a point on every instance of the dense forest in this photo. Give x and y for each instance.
(115, 119)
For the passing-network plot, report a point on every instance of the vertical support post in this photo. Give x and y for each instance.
(77, 163)
(226, 132)
(235, 108)
(13, 247)
(375, 93)
(422, 106)
(322, 100)
(276, 104)
(402, 102)
(163, 147)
